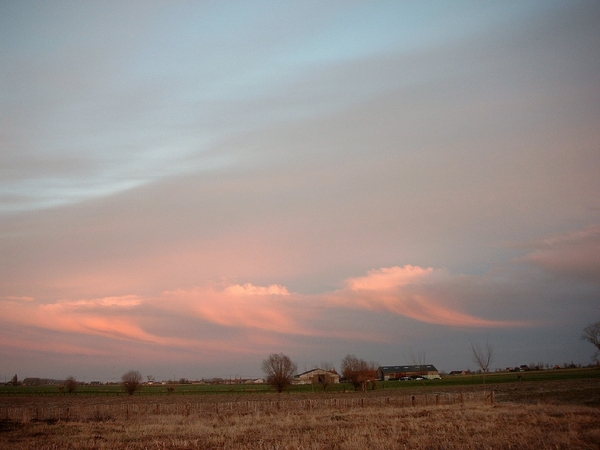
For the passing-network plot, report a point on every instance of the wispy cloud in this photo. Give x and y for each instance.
(573, 255)
(404, 291)
(251, 309)
(268, 308)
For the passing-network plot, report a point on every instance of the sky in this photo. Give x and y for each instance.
(188, 187)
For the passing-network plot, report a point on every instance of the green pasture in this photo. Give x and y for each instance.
(501, 377)
(207, 389)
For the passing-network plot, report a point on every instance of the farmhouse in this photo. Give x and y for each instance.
(317, 376)
(386, 373)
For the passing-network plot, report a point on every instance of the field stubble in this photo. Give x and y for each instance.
(537, 415)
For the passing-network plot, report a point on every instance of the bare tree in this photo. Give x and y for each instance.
(279, 370)
(71, 384)
(418, 360)
(591, 333)
(482, 356)
(132, 381)
(358, 372)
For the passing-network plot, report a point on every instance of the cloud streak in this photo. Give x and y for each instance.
(570, 255)
(404, 291)
(260, 310)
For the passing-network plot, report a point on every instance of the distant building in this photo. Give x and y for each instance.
(386, 373)
(41, 382)
(317, 376)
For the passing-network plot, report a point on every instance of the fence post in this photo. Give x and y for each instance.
(413, 400)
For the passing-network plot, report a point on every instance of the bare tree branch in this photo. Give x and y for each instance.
(279, 370)
(71, 385)
(591, 333)
(358, 371)
(132, 381)
(482, 356)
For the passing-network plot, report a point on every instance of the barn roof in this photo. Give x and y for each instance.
(411, 368)
(317, 370)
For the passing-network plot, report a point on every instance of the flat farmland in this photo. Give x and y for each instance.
(527, 414)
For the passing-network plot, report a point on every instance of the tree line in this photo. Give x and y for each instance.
(280, 369)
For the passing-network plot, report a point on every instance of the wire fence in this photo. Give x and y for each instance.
(128, 409)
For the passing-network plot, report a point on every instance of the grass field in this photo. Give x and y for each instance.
(453, 380)
(555, 412)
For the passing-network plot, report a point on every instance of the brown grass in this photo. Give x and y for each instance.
(562, 421)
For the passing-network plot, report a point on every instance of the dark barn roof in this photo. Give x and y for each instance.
(413, 368)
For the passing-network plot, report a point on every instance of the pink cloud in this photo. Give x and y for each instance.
(250, 289)
(268, 308)
(247, 314)
(20, 299)
(51, 346)
(575, 255)
(89, 317)
(403, 291)
(389, 277)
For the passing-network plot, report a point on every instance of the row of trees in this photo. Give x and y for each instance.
(280, 369)
(132, 381)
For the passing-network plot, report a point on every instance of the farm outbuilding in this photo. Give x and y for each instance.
(317, 376)
(386, 373)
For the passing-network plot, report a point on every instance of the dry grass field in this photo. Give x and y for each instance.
(557, 415)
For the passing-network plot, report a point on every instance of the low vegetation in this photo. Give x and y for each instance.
(528, 414)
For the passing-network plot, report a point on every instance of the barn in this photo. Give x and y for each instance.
(317, 376)
(386, 373)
